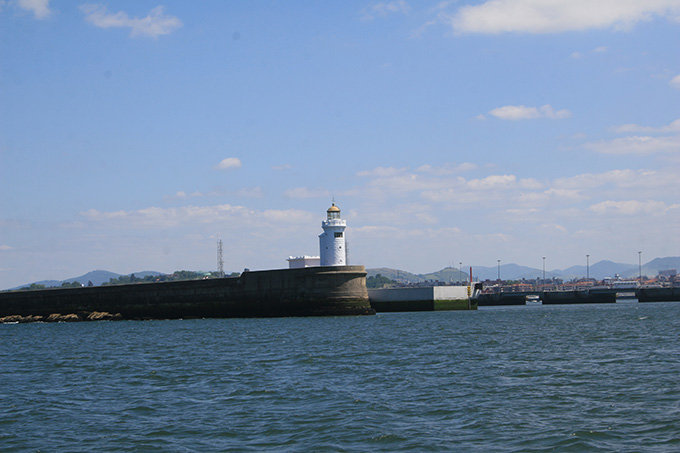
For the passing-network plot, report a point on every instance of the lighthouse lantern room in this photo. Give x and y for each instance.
(332, 247)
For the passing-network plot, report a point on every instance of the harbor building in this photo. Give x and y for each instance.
(332, 246)
(298, 262)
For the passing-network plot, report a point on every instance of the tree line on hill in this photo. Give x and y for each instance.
(175, 276)
(130, 279)
(35, 286)
(379, 281)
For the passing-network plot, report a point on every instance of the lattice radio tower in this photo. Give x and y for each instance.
(220, 259)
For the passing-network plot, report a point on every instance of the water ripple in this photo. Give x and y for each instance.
(553, 378)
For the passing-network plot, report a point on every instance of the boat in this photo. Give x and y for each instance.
(533, 299)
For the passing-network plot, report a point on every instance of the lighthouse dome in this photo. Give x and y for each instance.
(333, 213)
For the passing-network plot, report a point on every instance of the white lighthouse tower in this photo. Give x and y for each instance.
(332, 247)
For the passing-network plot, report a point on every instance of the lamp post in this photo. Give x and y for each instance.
(640, 266)
(460, 270)
(587, 267)
(544, 270)
(499, 276)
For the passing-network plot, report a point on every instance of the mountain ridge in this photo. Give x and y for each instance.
(600, 270)
(510, 271)
(97, 277)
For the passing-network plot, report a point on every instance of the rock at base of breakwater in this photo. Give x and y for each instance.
(58, 317)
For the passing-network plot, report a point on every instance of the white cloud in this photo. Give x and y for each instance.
(492, 182)
(629, 207)
(417, 33)
(530, 183)
(674, 126)
(552, 227)
(304, 192)
(288, 216)
(641, 145)
(403, 214)
(446, 168)
(556, 16)
(522, 212)
(155, 24)
(376, 230)
(675, 82)
(5, 248)
(382, 172)
(592, 180)
(229, 163)
(515, 112)
(601, 49)
(384, 9)
(634, 184)
(565, 194)
(522, 112)
(155, 217)
(39, 8)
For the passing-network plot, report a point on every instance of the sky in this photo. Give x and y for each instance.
(136, 134)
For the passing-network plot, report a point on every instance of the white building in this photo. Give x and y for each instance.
(298, 262)
(332, 247)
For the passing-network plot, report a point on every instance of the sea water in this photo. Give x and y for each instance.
(543, 378)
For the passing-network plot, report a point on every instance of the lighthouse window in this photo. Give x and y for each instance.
(338, 234)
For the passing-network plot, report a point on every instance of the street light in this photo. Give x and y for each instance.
(499, 276)
(640, 266)
(544, 270)
(588, 267)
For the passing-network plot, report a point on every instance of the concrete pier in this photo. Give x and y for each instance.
(658, 294)
(313, 291)
(591, 296)
(426, 298)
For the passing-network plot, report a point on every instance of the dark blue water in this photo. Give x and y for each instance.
(544, 378)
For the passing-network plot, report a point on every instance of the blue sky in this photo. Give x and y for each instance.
(133, 134)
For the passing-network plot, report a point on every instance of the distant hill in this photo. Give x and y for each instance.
(395, 274)
(96, 277)
(448, 274)
(661, 264)
(509, 271)
(598, 270)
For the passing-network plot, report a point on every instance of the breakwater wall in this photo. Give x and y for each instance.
(592, 296)
(493, 299)
(313, 291)
(595, 295)
(658, 294)
(589, 296)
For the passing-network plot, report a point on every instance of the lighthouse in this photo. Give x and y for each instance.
(332, 247)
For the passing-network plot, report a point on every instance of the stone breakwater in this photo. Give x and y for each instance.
(313, 291)
(58, 317)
